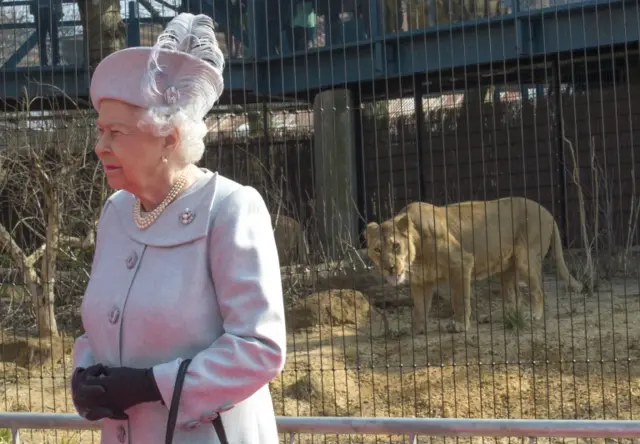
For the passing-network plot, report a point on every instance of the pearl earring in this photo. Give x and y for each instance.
(164, 159)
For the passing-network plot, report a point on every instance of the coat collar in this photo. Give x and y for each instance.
(173, 227)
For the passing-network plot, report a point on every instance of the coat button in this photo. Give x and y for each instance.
(192, 425)
(114, 315)
(209, 417)
(122, 433)
(132, 260)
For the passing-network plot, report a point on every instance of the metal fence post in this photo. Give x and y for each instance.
(133, 25)
(15, 435)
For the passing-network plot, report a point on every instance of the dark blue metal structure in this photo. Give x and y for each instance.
(519, 47)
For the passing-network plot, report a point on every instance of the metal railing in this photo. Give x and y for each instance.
(411, 427)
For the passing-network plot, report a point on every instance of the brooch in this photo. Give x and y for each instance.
(171, 95)
(186, 217)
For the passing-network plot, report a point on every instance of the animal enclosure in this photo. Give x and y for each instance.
(352, 351)
(351, 137)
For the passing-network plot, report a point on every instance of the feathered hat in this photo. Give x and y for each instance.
(182, 71)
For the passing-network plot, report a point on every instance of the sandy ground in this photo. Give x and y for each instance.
(582, 361)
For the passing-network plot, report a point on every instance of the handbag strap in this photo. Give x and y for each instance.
(175, 402)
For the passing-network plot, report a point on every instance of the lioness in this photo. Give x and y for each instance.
(464, 241)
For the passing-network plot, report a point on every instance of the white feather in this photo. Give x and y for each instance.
(194, 35)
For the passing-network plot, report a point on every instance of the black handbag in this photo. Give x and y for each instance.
(175, 402)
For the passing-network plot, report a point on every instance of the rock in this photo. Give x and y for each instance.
(332, 308)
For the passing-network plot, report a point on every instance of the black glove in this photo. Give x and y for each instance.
(86, 399)
(123, 387)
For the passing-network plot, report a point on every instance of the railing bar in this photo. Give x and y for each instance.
(462, 427)
(413, 439)
(383, 426)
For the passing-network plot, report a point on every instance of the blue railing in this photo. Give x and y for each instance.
(517, 38)
(371, 20)
(133, 23)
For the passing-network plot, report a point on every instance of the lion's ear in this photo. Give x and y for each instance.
(403, 222)
(372, 229)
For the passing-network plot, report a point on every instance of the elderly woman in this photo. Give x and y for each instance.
(185, 265)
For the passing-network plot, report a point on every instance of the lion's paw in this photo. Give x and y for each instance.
(455, 327)
(418, 328)
(537, 314)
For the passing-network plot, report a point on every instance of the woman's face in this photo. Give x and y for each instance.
(131, 158)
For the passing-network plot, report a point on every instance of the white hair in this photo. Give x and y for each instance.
(190, 96)
(192, 132)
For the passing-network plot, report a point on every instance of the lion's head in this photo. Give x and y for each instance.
(391, 248)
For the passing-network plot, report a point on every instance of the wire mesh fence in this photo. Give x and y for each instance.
(344, 115)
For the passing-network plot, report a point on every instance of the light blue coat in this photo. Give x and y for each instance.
(205, 287)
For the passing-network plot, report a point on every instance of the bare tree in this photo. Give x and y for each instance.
(52, 194)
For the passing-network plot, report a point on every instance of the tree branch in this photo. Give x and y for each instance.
(65, 242)
(16, 253)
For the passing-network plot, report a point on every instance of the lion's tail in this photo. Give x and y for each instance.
(556, 245)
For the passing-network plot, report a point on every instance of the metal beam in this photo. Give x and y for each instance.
(452, 48)
(559, 29)
(74, 81)
(72, 23)
(21, 52)
(552, 428)
(146, 4)
(26, 2)
(166, 5)
(461, 427)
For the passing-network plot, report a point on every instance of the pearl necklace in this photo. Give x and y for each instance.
(143, 222)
